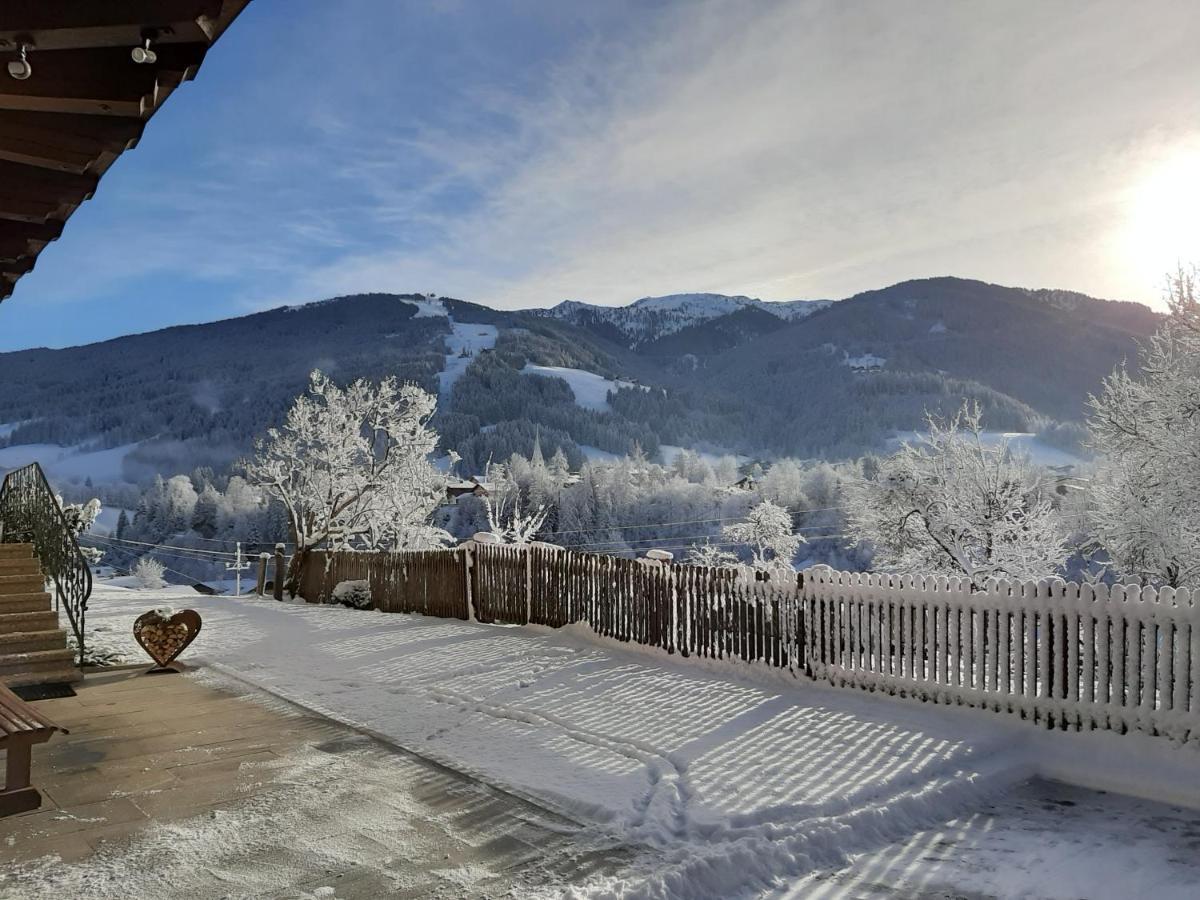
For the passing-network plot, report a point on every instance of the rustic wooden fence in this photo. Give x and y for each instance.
(430, 582)
(1063, 655)
(1071, 656)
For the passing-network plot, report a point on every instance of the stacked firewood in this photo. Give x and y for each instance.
(162, 638)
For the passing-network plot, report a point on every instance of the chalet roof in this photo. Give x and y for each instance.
(85, 102)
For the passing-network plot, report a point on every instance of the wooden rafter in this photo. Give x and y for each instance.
(86, 102)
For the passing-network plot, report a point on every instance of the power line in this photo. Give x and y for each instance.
(190, 578)
(154, 550)
(682, 537)
(168, 547)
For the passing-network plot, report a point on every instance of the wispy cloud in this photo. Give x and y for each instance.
(806, 150)
(521, 154)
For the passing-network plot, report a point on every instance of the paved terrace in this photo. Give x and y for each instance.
(170, 787)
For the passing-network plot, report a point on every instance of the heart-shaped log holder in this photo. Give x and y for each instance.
(165, 638)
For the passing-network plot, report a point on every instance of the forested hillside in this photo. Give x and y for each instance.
(702, 371)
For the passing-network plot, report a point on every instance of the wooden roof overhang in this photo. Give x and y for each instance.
(85, 103)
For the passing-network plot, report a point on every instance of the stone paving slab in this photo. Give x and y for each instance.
(233, 794)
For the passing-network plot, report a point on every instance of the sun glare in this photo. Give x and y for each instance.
(1163, 225)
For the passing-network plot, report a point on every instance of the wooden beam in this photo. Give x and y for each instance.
(17, 268)
(32, 181)
(66, 143)
(30, 194)
(15, 250)
(31, 209)
(20, 239)
(101, 81)
(86, 134)
(39, 234)
(61, 24)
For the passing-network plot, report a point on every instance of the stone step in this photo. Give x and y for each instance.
(29, 566)
(27, 620)
(37, 661)
(32, 641)
(38, 601)
(21, 584)
(16, 551)
(68, 674)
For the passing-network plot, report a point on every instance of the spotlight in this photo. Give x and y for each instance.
(20, 69)
(143, 55)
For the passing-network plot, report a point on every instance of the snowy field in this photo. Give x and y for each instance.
(69, 463)
(1039, 452)
(590, 390)
(595, 454)
(736, 782)
(669, 452)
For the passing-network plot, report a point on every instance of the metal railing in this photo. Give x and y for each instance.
(30, 513)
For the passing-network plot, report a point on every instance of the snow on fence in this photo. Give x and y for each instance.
(1067, 655)
(1063, 655)
(430, 582)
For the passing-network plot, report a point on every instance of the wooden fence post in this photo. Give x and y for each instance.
(528, 583)
(468, 549)
(278, 586)
(261, 586)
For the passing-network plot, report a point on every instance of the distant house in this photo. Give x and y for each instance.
(868, 362)
(462, 487)
(746, 483)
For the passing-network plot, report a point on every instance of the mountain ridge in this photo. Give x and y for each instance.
(835, 379)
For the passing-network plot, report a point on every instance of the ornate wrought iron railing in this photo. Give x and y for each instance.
(30, 513)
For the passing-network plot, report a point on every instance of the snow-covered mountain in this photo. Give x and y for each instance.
(812, 379)
(651, 318)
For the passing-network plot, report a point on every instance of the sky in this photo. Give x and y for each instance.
(522, 153)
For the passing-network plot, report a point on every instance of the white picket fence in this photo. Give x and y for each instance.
(1067, 655)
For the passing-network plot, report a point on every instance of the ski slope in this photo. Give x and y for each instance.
(590, 390)
(466, 336)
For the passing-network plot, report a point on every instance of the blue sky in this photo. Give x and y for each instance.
(522, 153)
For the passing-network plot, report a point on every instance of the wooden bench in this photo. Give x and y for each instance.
(21, 726)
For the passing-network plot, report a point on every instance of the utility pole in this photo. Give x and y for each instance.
(238, 567)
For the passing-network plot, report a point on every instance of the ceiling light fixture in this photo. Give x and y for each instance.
(20, 69)
(143, 55)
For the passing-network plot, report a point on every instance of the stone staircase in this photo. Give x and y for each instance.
(33, 649)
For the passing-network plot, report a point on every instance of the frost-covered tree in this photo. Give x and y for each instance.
(951, 503)
(558, 465)
(506, 518)
(80, 519)
(767, 531)
(206, 512)
(353, 462)
(1147, 430)
(149, 573)
(710, 555)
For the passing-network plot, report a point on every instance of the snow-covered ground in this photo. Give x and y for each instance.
(106, 522)
(595, 454)
(68, 463)
(670, 451)
(463, 336)
(738, 782)
(1039, 452)
(590, 390)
